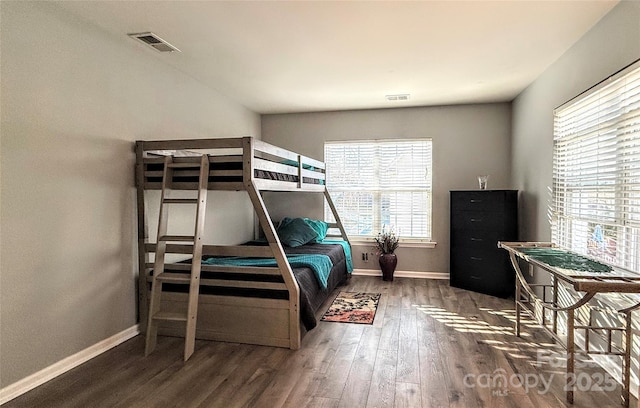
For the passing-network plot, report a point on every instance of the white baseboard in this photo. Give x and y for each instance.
(403, 274)
(27, 384)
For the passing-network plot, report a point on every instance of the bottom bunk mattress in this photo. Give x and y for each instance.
(312, 292)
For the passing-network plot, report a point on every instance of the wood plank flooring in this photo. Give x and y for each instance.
(430, 346)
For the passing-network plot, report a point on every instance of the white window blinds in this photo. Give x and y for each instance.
(595, 208)
(376, 184)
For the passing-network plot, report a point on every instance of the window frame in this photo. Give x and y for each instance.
(599, 132)
(408, 241)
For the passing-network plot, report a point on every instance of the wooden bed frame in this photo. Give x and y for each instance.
(253, 320)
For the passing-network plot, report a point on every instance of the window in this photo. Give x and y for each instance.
(377, 184)
(595, 207)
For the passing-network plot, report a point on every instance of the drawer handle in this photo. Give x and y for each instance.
(475, 201)
(473, 258)
(475, 277)
(477, 239)
(476, 220)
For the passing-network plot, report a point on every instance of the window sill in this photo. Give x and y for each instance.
(410, 244)
(403, 243)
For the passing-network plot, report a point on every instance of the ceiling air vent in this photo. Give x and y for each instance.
(399, 97)
(154, 41)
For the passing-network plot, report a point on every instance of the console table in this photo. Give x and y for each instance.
(588, 278)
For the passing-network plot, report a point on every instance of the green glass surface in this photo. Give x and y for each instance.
(560, 258)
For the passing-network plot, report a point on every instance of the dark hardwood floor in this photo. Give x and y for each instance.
(430, 346)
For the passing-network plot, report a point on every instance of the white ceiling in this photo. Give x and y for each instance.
(299, 56)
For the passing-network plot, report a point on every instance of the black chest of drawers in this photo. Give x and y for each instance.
(479, 219)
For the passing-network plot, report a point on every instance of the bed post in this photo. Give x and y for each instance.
(142, 236)
(274, 244)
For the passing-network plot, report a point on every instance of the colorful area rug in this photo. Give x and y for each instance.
(353, 307)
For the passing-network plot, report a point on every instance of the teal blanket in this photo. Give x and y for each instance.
(347, 251)
(320, 264)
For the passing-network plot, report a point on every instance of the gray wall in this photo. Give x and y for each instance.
(609, 46)
(73, 101)
(468, 140)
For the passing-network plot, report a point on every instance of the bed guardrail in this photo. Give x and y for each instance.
(233, 163)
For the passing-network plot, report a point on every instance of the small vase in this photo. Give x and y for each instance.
(388, 264)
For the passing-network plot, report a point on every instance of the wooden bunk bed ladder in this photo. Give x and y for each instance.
(193, 278)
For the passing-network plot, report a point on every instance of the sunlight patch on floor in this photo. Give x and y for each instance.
(515, 347)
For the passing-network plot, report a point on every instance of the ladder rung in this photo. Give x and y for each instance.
(185, 238)
(186, 165)
(170, 316)
(180, 201)
(174, 277)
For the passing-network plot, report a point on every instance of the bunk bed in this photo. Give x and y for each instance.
(263, 303)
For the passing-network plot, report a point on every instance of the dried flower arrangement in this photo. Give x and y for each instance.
(387, 242)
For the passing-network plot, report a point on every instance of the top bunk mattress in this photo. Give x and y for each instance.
(222, 172)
